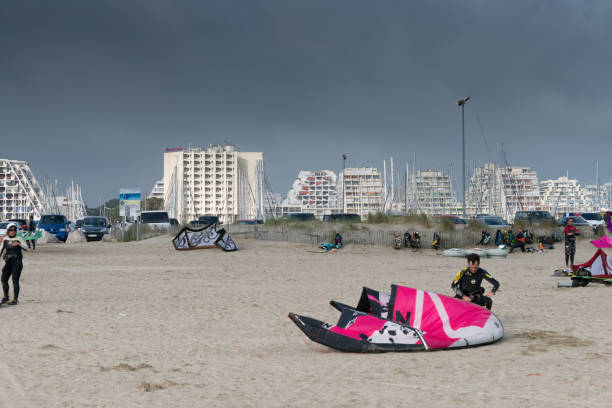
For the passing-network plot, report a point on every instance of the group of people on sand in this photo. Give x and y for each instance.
(11, 250)
(467, 285)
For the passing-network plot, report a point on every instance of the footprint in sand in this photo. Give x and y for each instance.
(149, 387)
(126, 367)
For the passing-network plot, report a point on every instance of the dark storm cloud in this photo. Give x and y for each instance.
(95, 90)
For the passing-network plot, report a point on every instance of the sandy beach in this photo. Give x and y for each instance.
(105, 324)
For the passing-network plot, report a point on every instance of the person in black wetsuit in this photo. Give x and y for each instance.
(570, 233)
(31, 231)
(467, 283)
(12, 246)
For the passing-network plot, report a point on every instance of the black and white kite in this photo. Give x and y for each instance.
(211, 236)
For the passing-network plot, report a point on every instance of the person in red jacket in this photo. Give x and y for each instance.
(570, 241)
(520, 241)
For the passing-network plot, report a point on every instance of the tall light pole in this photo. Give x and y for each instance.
(343, 184)
(462, 102)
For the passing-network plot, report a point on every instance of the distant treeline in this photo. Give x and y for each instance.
(110, 209)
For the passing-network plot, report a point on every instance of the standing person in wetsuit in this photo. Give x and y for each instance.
(520, 241)
(31, 231)
(12, 246)
(570, 241)
(467, 283)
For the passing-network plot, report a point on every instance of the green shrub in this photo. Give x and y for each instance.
(446, 224)
(474, 225)
(419, 219)
(378, 218)
(272, 222)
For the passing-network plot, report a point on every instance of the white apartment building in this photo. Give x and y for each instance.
(502, 191)
(521, 188)
(432, 192)
(217, 181)
(563, 195)
(361, 191)
(158, 190)
(314, 192)
(598, 197)
(20, 193)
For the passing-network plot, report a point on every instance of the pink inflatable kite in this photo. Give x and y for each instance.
(603, 242)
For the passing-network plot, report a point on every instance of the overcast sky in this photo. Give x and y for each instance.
(93, 91)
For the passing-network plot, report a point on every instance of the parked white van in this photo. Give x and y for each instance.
(155, 219)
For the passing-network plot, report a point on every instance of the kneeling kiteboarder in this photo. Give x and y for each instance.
(467, 283)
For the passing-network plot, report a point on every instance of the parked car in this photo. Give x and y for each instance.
(492, 221)
(578, 221)
(458, 221)
(533, 217)
(55, 224)
(22, 223)
(155, 219)
(94, 228)
(593, 218)
(174, 221)
(250, 222)
(301, 217)
(208, 219)
(79, 223)
(341, 218)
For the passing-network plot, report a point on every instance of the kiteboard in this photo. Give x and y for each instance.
(28, 236)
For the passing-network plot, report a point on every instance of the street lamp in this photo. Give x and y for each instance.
(462, 102)
(343, 184)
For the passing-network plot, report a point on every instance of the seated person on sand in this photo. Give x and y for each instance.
(338, 241)
(467, 283)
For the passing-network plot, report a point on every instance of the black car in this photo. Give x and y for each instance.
(94, 228)
(301, 217)
(342, 218)
(533, 217)
(205, 220)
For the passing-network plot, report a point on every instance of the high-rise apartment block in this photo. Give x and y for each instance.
(217, 181)
(313, 192)
(157, 191)
(20, 193)
(563, 194)
(502, 191)
(361, 191)
(432, 192)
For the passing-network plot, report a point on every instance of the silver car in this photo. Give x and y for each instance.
(492, 221)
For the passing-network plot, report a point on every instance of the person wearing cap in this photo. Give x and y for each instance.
(467, 283)
(12, 246)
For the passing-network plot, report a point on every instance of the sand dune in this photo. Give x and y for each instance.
(105, 324)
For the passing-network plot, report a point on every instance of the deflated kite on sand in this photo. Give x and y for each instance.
(603, 242)
(407, 320)
(211, 236)
(598, 270)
